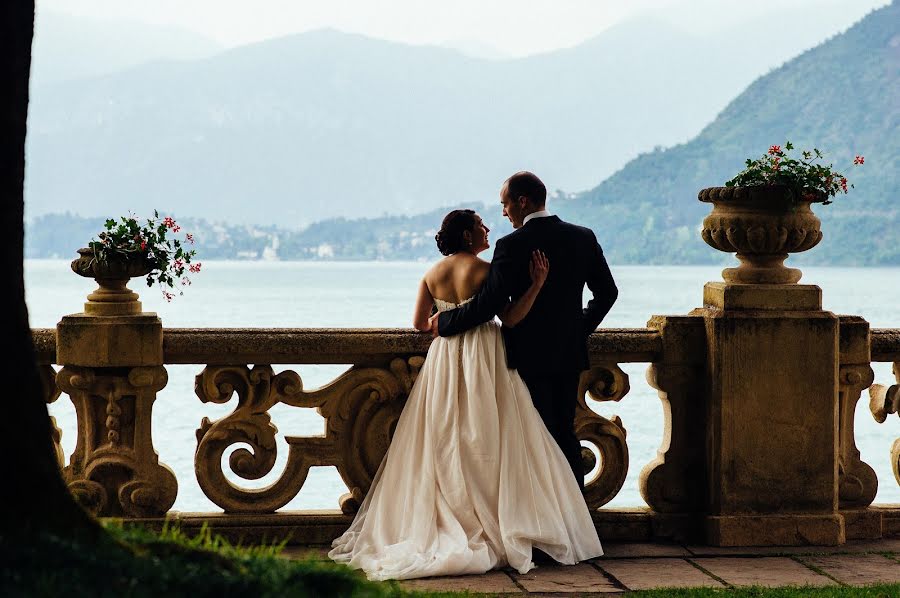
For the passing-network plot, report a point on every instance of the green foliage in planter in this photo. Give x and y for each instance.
(154, 242)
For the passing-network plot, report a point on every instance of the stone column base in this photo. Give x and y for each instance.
(775, 530)
(862, 524)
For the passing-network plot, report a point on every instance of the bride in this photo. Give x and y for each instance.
(472, 479)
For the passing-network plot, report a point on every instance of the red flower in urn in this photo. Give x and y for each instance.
(151, 249)
(804, 177)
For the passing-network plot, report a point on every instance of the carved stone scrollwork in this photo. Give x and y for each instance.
(603, 382)
(884, 401)
(858, 482)
(115, 470)
(895, 459)
(361, 409)
(669, 483)
(51, 393)
(674, 482)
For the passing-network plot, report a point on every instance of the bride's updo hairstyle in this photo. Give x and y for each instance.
(450, 238)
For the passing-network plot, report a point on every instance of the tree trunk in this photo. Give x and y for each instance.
(33, 493)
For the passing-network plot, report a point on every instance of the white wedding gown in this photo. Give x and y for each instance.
(472, 479)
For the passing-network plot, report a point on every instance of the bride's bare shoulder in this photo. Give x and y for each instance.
(437, 273)
(439, 267)
(482, 264)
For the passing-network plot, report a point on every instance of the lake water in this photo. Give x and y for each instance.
(381, 294)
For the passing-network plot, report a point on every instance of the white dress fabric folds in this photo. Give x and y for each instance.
(472, 479)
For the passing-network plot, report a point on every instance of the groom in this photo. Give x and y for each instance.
(548, 347)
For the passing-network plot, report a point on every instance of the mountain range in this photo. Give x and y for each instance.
(328, 124)
(842, 97)
(68, 47)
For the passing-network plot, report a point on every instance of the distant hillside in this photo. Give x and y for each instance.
(68, 47)
(842, 97)
(387, 238)
(326, 124)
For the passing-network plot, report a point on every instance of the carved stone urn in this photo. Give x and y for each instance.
(112, 297)
(762, 225)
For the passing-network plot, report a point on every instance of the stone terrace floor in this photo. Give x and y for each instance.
(646, 566)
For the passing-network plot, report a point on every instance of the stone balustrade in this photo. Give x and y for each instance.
(115, 471)
(759, 389)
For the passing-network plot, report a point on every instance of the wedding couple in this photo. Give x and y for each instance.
(479, 473)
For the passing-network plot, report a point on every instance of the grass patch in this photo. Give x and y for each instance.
(137, 562)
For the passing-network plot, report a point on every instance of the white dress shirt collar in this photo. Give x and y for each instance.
(538, 214)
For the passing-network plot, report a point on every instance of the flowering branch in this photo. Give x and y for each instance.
(804, 177)
(154, 243)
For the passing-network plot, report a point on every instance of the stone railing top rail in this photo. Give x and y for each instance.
(885, 344)
(220, 346)
(354, 345)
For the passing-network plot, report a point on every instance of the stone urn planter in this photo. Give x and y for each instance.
(762, 225)
(112, 297)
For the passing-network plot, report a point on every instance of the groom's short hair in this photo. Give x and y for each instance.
(527, 184)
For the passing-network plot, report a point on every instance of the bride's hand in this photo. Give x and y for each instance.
(433, 325)
(539, 268)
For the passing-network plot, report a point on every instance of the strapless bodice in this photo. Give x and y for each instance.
(448, 305)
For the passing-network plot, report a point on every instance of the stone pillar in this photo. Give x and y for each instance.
(674, 483)
(112, 362)
(772, 411)
(858, 482)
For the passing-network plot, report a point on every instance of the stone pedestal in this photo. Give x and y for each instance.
(109, 341)
(772, 413)
(112, 371)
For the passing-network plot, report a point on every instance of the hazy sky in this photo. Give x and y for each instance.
(513, 27)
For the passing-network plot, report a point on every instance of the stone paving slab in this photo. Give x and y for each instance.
(581, 578)
(751, 551)
(858, 569)
(770, 572)
(649, 573)
(883, 545)
(634, 550)
(493, 582)
(638, 566)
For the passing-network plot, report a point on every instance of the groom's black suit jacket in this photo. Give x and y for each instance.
(553, 336)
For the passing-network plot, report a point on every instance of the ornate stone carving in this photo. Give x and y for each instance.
(762, 226)
(114, 470)
(858, 482)
(674, 481)
(895, 459)
(884, 401)
(603, 382)
(51, 393)
(361, 409)
(670, 482)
